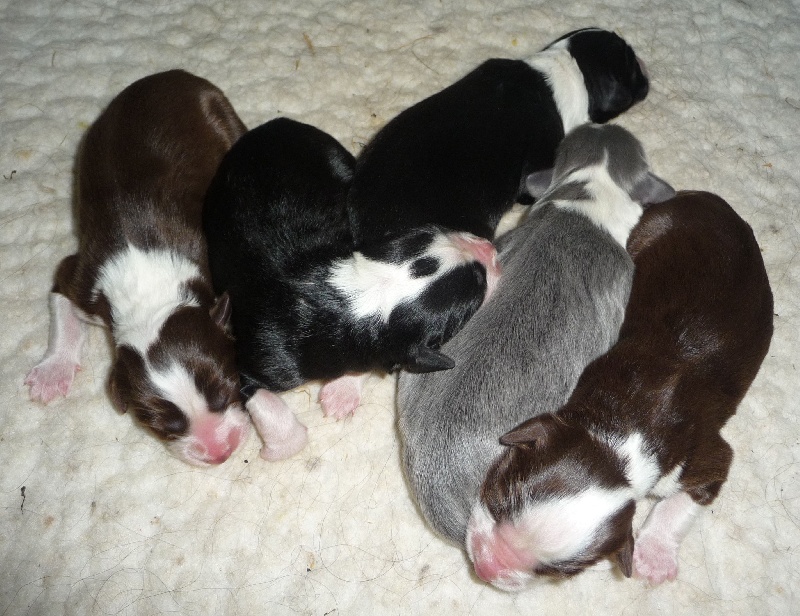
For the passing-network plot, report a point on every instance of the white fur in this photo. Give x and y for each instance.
(53, 375)
(558, 529)
(566, 82)
(641, 468)
(375, 288)
(655, 553)
(668, 484)
(610, 207)
(282, 434)
(177, 386)
(143, 289)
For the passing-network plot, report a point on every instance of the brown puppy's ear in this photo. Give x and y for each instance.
(536, 431)
(118, 383)
(221, 310)
(625, 554)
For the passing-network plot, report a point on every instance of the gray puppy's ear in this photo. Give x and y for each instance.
(426, 359)
(538, 182)
(651, 189)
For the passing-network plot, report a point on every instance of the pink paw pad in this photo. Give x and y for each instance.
(654, 560)
(340, 398)
(51, 378)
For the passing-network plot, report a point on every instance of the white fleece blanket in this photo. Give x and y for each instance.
(96, 517)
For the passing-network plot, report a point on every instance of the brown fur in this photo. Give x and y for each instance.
(142, 174)
(697, 327)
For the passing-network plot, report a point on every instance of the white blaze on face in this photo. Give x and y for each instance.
(143, 288)
(212, 437)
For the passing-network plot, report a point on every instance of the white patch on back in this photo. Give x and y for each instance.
(610, 208)
(375, 288)
(566, 82)
(641, 469)
(143, 289)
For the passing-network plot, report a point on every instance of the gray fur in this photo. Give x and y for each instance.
(560, 303)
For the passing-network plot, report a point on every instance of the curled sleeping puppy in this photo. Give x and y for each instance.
(459, 158)
(141, 268)
(306, 306)
(559, 304)
(644, 418)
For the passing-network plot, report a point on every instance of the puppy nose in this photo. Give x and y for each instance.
(481, 250)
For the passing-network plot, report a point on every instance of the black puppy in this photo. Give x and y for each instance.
(305, 305)
(460, 157)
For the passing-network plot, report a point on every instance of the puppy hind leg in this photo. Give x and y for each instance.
(282, 434)
(53, 375)
(340, 397)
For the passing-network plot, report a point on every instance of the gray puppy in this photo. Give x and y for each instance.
(559, 304)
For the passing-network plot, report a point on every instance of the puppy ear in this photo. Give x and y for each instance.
(651, 189)
(117, 383)
(425, 359)
(625, 554)
(536, 432)
(538, 182)
(221, 310)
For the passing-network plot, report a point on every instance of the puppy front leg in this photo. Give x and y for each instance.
(655, 551)
(282, 434)
(54, 374)
(340, 397)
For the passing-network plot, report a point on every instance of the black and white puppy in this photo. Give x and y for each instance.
(459, 158)
(306, 306)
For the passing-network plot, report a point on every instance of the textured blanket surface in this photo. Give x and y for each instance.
(96, 517)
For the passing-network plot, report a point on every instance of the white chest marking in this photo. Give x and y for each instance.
(641, 468)
(143, 288)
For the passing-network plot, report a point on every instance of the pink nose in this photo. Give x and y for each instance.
(494, 559)
(213, 448)
(481, 250)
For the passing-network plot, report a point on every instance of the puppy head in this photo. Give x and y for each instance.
(615, 78)
(555, 502)
(418, 289)
(185, 389)
(608, 147)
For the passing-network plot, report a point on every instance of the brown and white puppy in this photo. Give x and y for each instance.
(645, 418)
(141, 267)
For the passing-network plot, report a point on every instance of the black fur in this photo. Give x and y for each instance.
(276, 225)
(459, 158)
(611, 72)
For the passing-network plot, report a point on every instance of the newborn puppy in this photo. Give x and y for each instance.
(305, 305)
(460, 157)
(141, 267)
(559, 304)
(645, 418)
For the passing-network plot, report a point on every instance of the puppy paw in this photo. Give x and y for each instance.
(291, 443)
(654, 560)
(340, 398)
(282, 434)
(51, 378)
